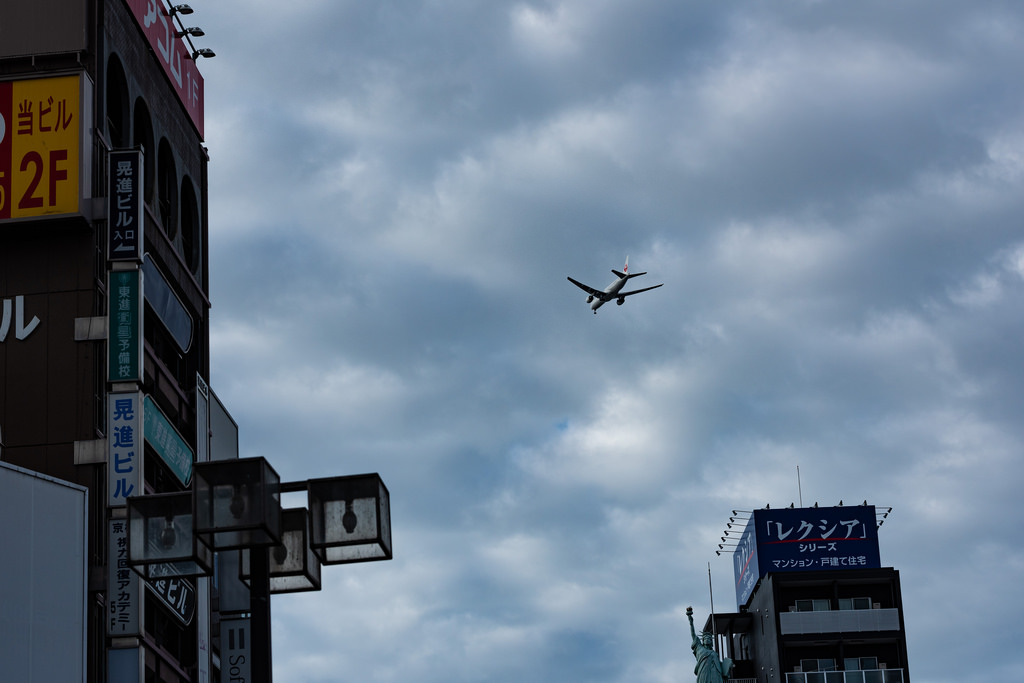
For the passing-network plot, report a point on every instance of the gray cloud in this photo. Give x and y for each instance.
(830, 193)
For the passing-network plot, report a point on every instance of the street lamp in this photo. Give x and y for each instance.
(351, 518)
(294, 566)
(162, 540)
(236, 504)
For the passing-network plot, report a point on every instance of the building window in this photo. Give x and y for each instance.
(167, 190)
(117, 104)
(817, 665)
(142, 137)
(854, 603)
(813, 606)
(190, 229)
(860, 663)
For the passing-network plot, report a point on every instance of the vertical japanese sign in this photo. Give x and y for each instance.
(124, 599)
(124, 447)
(124, 205)
(124, 337)
(40, 147)
(745, 566)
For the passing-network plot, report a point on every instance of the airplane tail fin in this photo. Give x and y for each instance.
(625, 271)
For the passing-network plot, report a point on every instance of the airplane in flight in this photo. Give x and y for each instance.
(596, 298)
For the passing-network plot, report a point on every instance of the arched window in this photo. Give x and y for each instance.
(143, 137)
(167, 189)
(117, 104)
(190, 228)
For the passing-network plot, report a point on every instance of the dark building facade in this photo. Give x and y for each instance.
(82, 343)
(814, 603)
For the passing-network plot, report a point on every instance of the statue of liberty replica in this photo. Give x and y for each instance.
(709, 668)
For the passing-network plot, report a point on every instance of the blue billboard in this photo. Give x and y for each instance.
(804, 539)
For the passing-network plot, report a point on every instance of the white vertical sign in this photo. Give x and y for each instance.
(235, 651)
(124, 447)
(124, 593)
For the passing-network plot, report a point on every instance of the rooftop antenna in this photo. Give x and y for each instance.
(711, 594)
(799, 488)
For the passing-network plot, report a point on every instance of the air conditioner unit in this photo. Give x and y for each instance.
(792, 608)
(882, 665)
(797, 669)
(876, 605)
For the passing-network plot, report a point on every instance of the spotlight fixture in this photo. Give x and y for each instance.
(193, 31)
(181, 9)
(203, 52)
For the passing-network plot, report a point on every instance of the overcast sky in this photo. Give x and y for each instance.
(831, 193)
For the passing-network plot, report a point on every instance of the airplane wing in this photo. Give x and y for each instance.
(586, 288)
(636, 291)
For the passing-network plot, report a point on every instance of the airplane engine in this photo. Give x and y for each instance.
(590, 298)
(620, 301)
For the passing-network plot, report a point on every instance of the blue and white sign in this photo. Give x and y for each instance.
(804, 539)
(124, 447)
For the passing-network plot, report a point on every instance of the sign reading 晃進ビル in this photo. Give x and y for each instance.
(40, 147)
(124, 447)
(124, 205)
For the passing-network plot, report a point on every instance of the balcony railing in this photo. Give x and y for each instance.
(840, 621)
(861, 676)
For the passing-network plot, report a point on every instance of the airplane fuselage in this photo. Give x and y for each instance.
(609, 293)
(597, 298)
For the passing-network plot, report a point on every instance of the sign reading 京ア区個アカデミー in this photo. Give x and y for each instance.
(124, 597)
(124, 205)
(804, 539)
(40, 147)
(167, 442)
(124, 447)
(124, 333)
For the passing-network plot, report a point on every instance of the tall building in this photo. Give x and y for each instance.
(814, 603)
(104, 303)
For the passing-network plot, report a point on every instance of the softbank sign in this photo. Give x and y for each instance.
(21, 329)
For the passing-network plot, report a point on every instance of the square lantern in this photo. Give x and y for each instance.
(161, 539)
(293, 565)
(238, 503)
(351, 518)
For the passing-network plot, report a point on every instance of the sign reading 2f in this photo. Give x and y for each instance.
(40, 139)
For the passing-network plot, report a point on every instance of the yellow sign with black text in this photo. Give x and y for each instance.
(40, 146)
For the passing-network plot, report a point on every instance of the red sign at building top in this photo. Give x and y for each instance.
(171, 51)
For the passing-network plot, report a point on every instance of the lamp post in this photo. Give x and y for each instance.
(236, 505)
